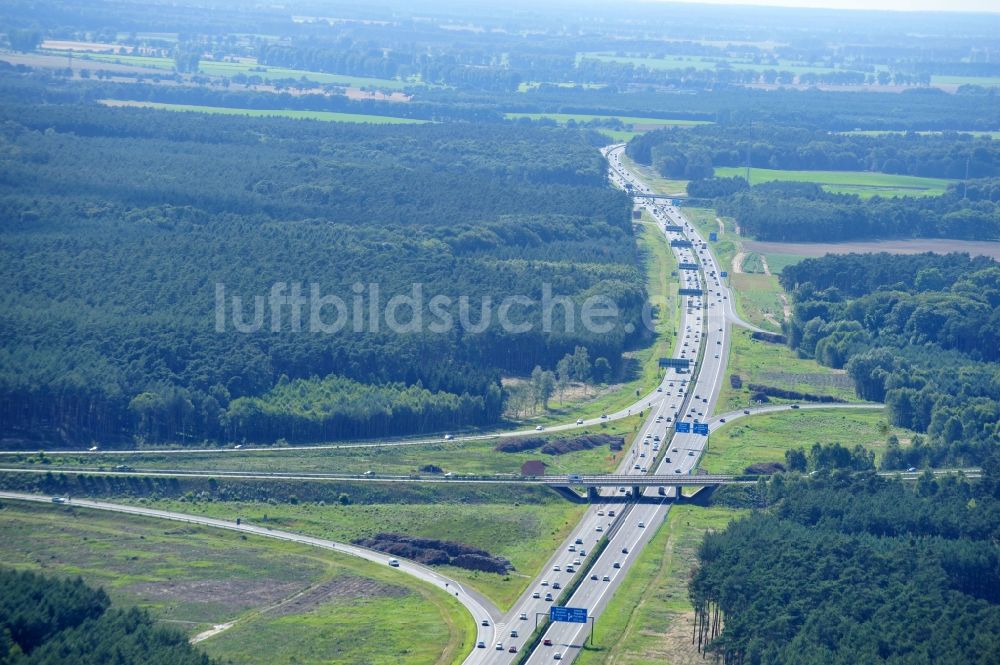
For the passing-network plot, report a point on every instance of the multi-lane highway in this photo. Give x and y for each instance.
(680, 397)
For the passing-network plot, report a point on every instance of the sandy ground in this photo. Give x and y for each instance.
(738, 262)
(915, 246)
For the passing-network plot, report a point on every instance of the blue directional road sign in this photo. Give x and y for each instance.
(701, 428)
(713, 235)
(569, 614)
(682, 426)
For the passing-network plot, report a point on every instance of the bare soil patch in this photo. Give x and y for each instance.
(346, 586)
(914, 246)
(234, 593)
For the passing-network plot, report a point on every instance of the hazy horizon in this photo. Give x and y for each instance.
(974, 6)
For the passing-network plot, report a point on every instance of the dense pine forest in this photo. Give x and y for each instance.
(120, 224)
(846, 569)
(45, 621)
(921, 333)
(692, 153)
(805, 212)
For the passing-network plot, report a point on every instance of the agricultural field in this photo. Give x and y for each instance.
(328, 116)
(649, 619)
(862, 183)
(524, 533)
(765, 437)
(777, 365)
(290, 603)
(248, 67)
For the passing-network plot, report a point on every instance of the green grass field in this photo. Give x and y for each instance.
(328, 116)
(758, 300)
(862, 183)
(526, 534)
(777, 262)
(193, 577)
(766, 437)
(649, 619)
(776, 365)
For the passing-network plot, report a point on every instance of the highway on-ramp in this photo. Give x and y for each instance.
(478, 606)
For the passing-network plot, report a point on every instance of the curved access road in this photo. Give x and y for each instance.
(758, 410)
(479, 607)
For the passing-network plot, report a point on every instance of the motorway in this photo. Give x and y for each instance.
(657, 450)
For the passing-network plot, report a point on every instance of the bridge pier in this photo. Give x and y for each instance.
(592, 494)
(678, 493)
(636, 491)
